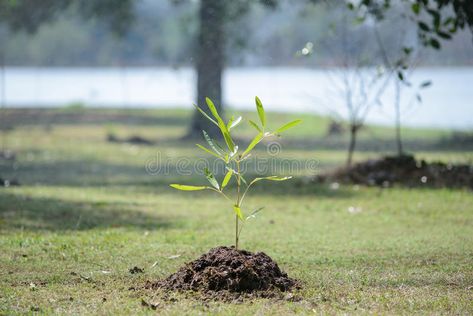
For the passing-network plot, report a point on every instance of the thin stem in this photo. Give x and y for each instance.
(237, 232)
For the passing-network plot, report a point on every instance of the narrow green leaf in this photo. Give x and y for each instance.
(287, 126)
(226, 179)
(230, 121)
(271, 178)
(205, 114)
(213, 109)
(211, 178)
(238, 212)
(207, 150)
(188, 187)
(255, 126)
(221, 125)
(253, 143)
(212, 144)
(235, 123)
(254, 213)
(228, 139)
(261, 114)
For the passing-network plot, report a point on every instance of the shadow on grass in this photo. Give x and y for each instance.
(33, 213)
(64, 116)
(96, 173)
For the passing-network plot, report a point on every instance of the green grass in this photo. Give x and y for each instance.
(87, 211)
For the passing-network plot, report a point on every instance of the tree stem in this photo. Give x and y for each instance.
(238, 204)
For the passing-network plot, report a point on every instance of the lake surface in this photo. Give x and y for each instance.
(447, 103)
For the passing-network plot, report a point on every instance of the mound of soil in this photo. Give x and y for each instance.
(405, 170)
(226, 272)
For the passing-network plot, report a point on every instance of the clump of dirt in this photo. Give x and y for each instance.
(225, 272)
(405, 170)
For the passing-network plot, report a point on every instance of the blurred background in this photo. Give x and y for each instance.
(362, 74)
(144, 54)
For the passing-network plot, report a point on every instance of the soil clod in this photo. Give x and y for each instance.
(226, 273)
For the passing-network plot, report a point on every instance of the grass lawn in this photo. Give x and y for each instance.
(88, 210)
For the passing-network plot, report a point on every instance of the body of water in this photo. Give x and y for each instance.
(448, 103)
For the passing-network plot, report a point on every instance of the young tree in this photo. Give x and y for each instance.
(357, 82)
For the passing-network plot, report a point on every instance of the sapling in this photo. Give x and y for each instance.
(233, 158)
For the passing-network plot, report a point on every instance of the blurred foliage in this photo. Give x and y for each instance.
(436, 19)
(165, 32)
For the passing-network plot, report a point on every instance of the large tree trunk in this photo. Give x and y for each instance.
(351, 147)
(209, 63)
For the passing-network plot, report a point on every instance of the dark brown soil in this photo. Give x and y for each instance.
(404, 170)
(224, 273)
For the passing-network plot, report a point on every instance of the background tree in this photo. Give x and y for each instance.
(356, 82)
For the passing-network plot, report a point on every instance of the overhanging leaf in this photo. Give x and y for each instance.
(183, 187)
(288, 126)
(261, 114)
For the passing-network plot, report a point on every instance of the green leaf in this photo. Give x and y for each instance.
(434, 43)
(226, 179)
(254, 213)
(255, 125)
(237, 210)
(230, 121)
(221, 125)
(416, 8)
(261, 114)
(271, 178)
(212, 144)
(235, 123)
(208, 150)
(213, 109)
(188, 187)
(228, 140)
(236, 175)
(211, 178)
(423, 26)
(205, 114)
(287, 126)
(253, 143)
